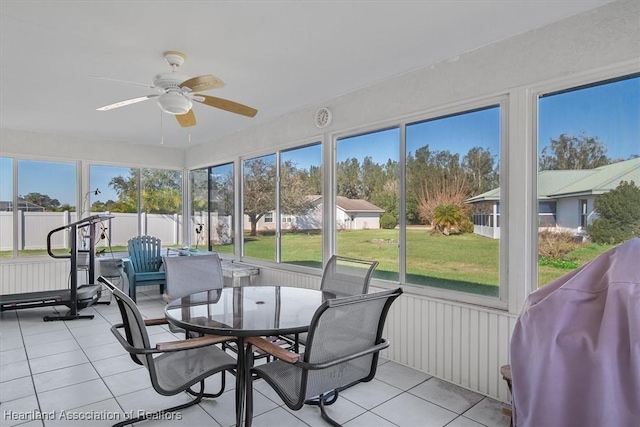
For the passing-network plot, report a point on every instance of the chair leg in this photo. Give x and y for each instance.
(158, 414)
(324, 414)
(211, 395)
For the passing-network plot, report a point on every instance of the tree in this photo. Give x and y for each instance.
(222, 194)
(480, 165)
(294, 189)
(42, 200)
(348, 177)
(259, 190)
(161, 191)
(574, 152)
(619, 215)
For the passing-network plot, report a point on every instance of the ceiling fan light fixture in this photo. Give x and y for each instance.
(174, 103)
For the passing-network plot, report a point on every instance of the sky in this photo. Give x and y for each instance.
(611, 112)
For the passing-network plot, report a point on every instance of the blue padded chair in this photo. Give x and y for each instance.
(143, 265)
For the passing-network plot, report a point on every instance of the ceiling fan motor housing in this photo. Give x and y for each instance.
(174, 103)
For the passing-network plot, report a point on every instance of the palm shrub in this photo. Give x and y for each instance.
(446, 217)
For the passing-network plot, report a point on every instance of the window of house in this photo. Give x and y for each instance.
(268, 217)
(46, 200)
(452, 202)
(586, 135)
(547, 214)
(368, 199)
(583, 214)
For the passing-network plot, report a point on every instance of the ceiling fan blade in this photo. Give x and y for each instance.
(200, 83)
(225, 104)
(187, 120)
(123, 81)
(126, 102)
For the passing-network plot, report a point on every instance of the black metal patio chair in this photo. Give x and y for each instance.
(344, 341)
(173, 366)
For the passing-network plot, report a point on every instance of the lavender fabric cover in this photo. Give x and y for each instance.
(575, 349)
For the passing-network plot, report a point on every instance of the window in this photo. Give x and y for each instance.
(114, 190)
(284, 185)
(46, 200)
(212, 208)
(586, 136)
(301, 206)
(547, 214)
(6, 207)
(583, 214)
(367, 203)
(452, 202)
(161, 197)
(120, 190)
(259, 199)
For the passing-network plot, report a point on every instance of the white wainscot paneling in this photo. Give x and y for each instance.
(271, 276)
(33, 275)
(459, 343)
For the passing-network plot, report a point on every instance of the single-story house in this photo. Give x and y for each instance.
(351, 214)
(23, 205)
(565, 198)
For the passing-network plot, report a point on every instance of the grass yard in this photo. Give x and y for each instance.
(466, 262)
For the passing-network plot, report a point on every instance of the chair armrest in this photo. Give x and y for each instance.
(129, 270)
(155, 322)
(192, 343)
(274, 350)
(323, 365)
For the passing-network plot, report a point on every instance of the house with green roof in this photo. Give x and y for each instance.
(565, 198)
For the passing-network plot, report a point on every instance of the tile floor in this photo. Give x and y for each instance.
(69, 371)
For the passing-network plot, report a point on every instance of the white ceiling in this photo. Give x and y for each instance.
(276, 56)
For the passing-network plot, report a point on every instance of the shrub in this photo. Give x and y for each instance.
(388, 221)
(619, 215)
(556, 245)
(466, 226)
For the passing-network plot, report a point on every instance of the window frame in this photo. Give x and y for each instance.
(503, 101)
(547, 88)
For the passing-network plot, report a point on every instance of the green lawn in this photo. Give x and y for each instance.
(466, 262)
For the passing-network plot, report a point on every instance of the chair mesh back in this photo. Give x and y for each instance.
(144, 252)
(135, 329)
(347, 276)
(346, 326)
(189, 274)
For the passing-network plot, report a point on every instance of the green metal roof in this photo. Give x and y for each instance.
(554, 184)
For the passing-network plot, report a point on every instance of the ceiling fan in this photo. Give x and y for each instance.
(177, 93)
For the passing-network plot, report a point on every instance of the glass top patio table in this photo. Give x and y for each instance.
(246, 311)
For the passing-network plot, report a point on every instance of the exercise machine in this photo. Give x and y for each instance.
(75, 297)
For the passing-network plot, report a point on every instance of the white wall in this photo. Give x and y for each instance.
(460, 342)
(57, 147)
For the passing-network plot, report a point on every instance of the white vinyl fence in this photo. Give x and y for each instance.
(33, 228)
